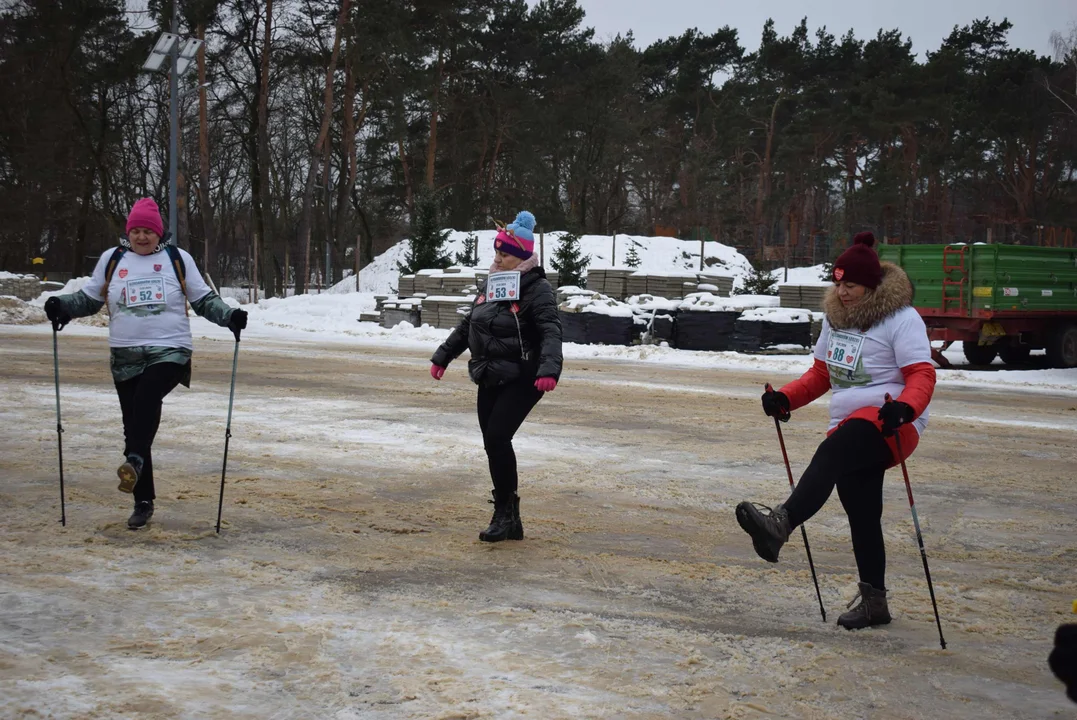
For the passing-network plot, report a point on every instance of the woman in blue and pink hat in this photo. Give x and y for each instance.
(514, 335)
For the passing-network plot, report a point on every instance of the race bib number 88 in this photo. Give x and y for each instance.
(503, 287)
(843, 349)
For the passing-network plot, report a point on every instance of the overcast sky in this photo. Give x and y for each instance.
(927, 22)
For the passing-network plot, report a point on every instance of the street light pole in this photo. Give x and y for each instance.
(173, 145)
(181, 52)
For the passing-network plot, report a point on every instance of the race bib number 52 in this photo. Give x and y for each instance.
(146, 291)
(843, 349)
(503, 287)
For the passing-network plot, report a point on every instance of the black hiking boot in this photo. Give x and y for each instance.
(769, 530)
(517, 531)
(142, 514)
(871, 611)
(501, 524)
(129, 473)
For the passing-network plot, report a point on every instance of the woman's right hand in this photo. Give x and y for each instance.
(57, 315)
(776, 404)
(436, 371)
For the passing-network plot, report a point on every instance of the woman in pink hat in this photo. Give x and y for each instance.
(146, 284)
(514, 334)
(873, 343)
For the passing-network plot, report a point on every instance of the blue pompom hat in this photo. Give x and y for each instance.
(518, 238)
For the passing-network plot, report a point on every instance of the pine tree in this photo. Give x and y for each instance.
(569, 262)
(632, 260)
(427, 238)
(468, 257)
(759, 282)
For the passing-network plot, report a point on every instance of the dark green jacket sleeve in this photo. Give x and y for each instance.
(455, 344)
(543, 309)
(212, 308)
(80, 304)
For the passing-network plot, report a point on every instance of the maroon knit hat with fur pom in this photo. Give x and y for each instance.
(860, 263)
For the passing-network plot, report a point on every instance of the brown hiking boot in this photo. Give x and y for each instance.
(769, 529)
(871, 611)
(129, 473)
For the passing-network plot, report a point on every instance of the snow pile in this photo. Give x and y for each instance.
(776, 315)
(658, 255)
(5, 275)
(595, 303)
(708, 302)
(72, 286)
(651, 303)
(331, 313)
(801, 276)
(14, 311)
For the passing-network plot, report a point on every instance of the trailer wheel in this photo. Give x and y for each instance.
(978, 354)
(1014, 354)
(1062, 347)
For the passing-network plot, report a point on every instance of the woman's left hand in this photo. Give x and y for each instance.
(546, 384)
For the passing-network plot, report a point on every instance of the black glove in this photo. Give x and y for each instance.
(1063, 659)
(776, 405)
(237, 321)
(894, 414)
(54, 310)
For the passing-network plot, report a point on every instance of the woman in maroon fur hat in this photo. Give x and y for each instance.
(873, 343)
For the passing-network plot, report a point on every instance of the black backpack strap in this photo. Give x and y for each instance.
(179, 268)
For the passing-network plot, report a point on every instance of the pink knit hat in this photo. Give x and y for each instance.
(145, 214)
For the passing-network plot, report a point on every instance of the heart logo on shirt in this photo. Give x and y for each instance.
(158, 296)
(839, 273)
(830, 353)
(134, 297)
(123, 273)
(157, 268)
(512, 293)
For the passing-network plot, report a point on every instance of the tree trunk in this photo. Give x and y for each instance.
(346, 187)
(315, 155)
(84, 216)
(763, 188)
(432, 145)
(205, 204)
(262, 241)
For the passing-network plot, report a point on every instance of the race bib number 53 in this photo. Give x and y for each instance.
(146, 291)
(843, 349)
(503, 287)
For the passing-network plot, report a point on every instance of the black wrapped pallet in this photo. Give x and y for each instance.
(704, 330)
(608, 330)
(752, 335)
(573, 327)
(662, 329)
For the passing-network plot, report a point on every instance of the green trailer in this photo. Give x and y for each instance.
(998, 300)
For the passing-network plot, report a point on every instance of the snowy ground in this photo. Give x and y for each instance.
(348, 581)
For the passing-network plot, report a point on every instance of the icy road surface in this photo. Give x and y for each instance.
(348, 581)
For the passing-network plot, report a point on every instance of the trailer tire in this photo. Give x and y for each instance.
(1062, 347)
(978, 354)
(1015, 354)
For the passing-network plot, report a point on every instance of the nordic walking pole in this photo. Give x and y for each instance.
(919, 535)
(227, 433)
(59, 426)
(803, 532)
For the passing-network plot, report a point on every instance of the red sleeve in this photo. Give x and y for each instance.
(812, 385)
(919, 386)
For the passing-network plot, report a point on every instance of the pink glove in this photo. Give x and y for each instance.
(546, 384)
(436, 371)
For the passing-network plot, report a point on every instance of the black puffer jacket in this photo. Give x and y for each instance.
(491, 332)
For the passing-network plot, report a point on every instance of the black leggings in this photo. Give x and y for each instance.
(502, 410)
(854, 459)
(140, 401)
